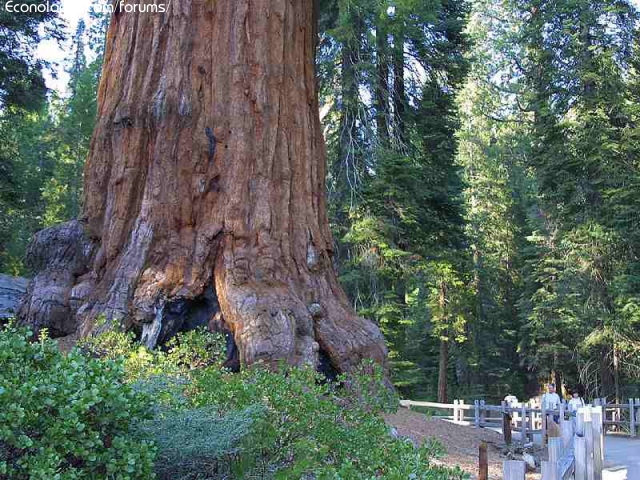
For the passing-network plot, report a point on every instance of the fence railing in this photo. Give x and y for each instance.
(575, 440)
(578, 456)
(523, 418)
(620, 417)
(526, 418)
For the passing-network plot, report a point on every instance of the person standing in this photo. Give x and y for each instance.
(575, 404)
(512, 400)
(551, 401)
(576, 401)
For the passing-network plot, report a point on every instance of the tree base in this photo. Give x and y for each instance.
(271, 323)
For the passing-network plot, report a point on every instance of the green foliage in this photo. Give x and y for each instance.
(196, 349)
(67, 416)
(546, 143)
(21, 82)
(209, 422)
(44, 145)
(309, 426)
(184, 352)
(140, 363)
(394, 189)
(199, 442)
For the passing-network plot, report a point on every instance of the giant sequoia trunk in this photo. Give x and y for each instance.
(205, 191)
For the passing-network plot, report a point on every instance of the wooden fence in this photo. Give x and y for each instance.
(578, 454)
(526, 418)
(620, 417)
(575, 446)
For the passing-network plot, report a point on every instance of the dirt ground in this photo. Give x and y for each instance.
(461, 441)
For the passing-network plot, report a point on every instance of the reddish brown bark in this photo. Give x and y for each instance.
(207, 174)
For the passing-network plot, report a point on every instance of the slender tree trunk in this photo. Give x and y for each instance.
(346, 169)
(557, 379)
(382, 86)
(443, 366)
(205, 189)
(399, 94)
(616, 372)
(443, 363)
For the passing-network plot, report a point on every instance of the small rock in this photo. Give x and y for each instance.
(11, 291)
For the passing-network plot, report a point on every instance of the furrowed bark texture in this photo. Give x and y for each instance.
(205, 185)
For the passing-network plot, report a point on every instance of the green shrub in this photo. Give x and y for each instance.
(200, 442)
(184, 352)
(196, 349)
(67, 416)
(209, 423)
(139, 362)
(314, 427)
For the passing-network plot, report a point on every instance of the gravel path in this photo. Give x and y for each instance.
(461, 441)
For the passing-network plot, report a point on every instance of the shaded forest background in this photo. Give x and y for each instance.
(484, 180)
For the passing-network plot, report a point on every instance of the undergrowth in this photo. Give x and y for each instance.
(113, 409)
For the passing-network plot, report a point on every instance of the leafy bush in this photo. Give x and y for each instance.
(192, 442)
(314, 427)
(196, 349)
(210, 423)
(184, 352)
(67, 416)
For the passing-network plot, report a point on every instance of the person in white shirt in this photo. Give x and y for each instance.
(551, 401)
(511, 400)
(576, 402)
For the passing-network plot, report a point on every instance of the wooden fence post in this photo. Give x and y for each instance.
(523, 423)
(482, 412)
(549, 470)
(532, 425)
(544, 422)
(506, 423)
(632, 418)
(483, 462)
(567, 432)
(555, 449)
(513, 470)
(580, 422)
(598, 442)
(588, 436)
(580, 455)
(455, 410)
(476, 405)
